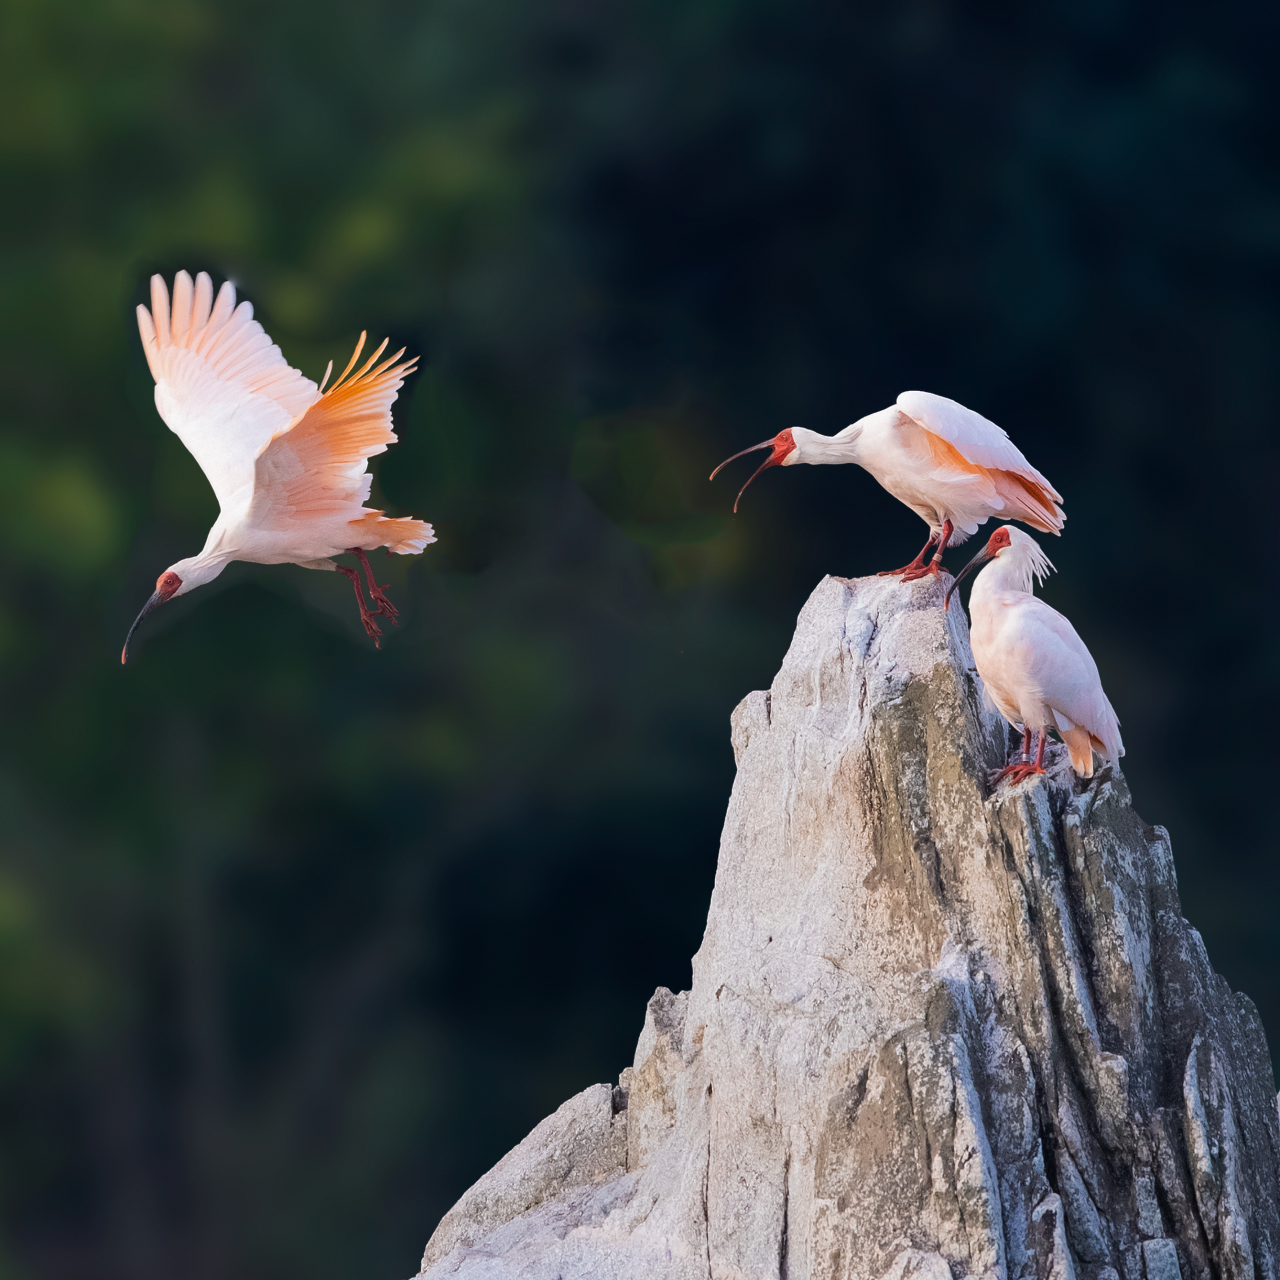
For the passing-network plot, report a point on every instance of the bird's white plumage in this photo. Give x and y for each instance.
(288, 463)
(1034, 666)
(977, 439)
(947, 463)
(222, 386)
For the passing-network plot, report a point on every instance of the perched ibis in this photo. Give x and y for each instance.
(951, 466)
(1035, 667)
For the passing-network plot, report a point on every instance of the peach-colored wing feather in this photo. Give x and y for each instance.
(1026, 494)
(222, 385)
(315, 470)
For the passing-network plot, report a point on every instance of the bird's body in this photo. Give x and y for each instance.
(1034, 666)
(287, 460)
(951, 466)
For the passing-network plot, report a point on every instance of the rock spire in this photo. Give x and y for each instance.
(932, 1033)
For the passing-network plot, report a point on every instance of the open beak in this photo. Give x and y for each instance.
(781, 444)
(981, 558)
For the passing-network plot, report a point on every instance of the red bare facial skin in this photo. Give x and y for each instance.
(783, 445)
(996, 543)
(166, 585)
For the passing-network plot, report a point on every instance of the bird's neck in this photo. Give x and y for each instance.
(1002, 577)
(819, 450)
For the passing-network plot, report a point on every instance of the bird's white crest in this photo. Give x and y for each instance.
(1021, 564)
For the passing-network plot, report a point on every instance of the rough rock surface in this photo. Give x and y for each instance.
(932, 1033)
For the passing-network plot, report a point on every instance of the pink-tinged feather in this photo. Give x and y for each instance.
(203, 303)
(182, 300)
(160, 310)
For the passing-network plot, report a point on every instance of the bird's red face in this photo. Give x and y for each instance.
(995, 544)
(783, 446)
(167, 585)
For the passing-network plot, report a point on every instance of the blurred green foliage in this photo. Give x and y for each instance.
(296, 938)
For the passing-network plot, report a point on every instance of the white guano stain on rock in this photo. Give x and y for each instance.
(933, 1033)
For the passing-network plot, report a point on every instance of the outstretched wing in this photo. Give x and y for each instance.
(1026, 494)
(222, 385)
(315, 469)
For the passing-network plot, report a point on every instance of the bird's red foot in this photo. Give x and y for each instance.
(930, 570)
(1016, 773)
(384, 606)
(367, 617)
(916, 566)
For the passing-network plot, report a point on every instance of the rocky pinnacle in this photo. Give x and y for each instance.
(932, 1031)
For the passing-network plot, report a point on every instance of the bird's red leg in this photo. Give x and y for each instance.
(1025, 768)
(371, 627)
(917, 563)
(384, 606)
(998, 775)
(934, 566)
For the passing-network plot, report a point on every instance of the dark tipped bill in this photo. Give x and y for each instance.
(767, 444)
(157, 597)
(980, 558)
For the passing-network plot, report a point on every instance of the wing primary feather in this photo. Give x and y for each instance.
(148, 331)
(182, 299)
(222, 309)
(327, 372)
(160, 310)
(351, 364)
(388, 362)
(381, 348)
(203, 303)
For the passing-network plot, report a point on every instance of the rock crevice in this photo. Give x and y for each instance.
(932, 1032)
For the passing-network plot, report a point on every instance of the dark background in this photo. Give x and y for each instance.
(297, 938)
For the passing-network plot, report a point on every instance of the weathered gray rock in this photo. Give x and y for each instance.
(932, 1033)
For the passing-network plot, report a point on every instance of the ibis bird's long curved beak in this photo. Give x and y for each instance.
(166, 586)
(157, 597)
(981, 558)
(742, 453)
(782, 445)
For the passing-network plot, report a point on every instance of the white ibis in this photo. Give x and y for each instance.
(1034, 666)
(951, 466)
(287, 460)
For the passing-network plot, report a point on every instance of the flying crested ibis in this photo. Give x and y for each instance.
(951, 466)
(287, 460)
(1034, 666)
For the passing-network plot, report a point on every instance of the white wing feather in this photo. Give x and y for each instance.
(976, 438)
(1067, 674)
(222, 385)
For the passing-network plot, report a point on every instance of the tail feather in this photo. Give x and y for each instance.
(402, 535)
(1081, 746)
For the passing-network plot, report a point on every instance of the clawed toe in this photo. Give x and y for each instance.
(385, 607)
(927, 571)
(382, 605)
(1014, 773)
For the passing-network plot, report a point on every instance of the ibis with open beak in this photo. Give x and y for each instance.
(951, 466)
